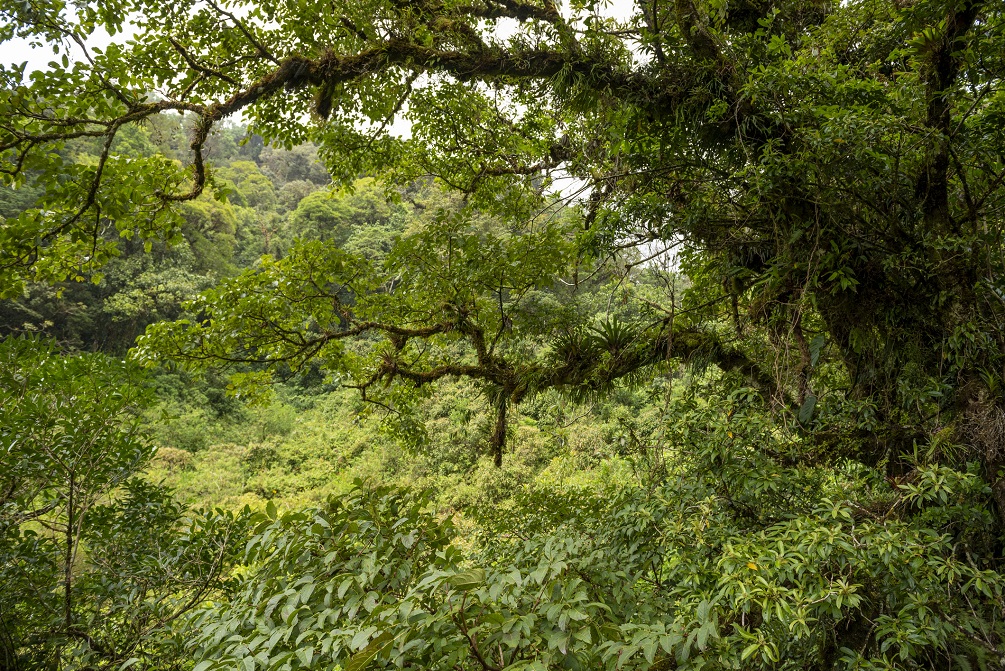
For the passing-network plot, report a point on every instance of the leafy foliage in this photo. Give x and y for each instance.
(96, 564)
(636, 578)
(458, 297)
(822, 480)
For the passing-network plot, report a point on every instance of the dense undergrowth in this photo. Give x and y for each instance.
(303, 445)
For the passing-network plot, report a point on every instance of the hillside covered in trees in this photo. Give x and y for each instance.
(501, 335)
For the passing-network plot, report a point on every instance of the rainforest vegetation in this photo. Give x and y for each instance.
(485, 335)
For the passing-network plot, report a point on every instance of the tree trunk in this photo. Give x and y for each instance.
(499, 434)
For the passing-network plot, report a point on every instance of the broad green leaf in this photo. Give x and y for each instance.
(467, 580)
(364, 657)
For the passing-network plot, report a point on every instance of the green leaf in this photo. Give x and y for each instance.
(816, 345)
(467, 580)
(306, 656)
(749, 650)
(362, 659)
(806, 410)
(649, 646)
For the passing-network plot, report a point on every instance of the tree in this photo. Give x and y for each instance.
(451, 300)
(298, 164)
(253, 188)
(459, 297)
(834, 167)
(321, 216)
(97, 565)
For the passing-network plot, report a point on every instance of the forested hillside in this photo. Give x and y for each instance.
(499, 335)
(309, 437)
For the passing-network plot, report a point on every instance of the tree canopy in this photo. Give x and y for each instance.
(829, 169)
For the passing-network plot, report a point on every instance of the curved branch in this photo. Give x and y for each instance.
(595, 373)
